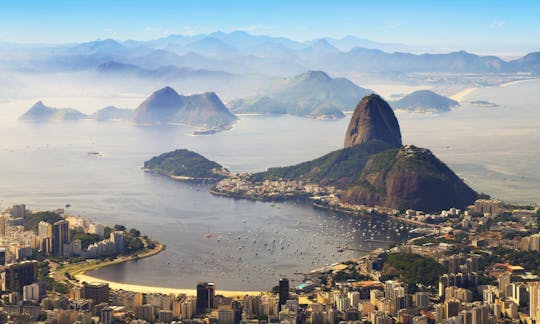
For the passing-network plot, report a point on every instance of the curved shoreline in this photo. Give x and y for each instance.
(80, 269)
(163, 290)
(79, 273)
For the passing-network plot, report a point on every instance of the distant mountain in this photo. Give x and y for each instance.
(528, 63)
(379, 172)
(163, 72)
(166, 106)
(311, 94)
(372, 60)
(112, 113)
(40, 112)
(425, 100)
(258, 105)
(186, 165)
(349, 42)
(212, 47)
(241, 39)
(317, 50)
(118, 68)
(373, 120)
(241, 52)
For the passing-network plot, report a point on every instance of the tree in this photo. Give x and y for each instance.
(135, 245)
(118, 227)
(135, 232)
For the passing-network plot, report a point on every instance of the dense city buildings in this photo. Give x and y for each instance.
(478, 265)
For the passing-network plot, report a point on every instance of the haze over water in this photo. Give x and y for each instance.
(496, 150)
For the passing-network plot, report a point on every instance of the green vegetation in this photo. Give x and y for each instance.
(505, 217)
(31, 221)
(339, 168)
(118, 227)
(413, 269)
(353, 274)
(184, 163)
(527, 259)
(377, 173)
(44, 270)
(86, 239)
(431, 240)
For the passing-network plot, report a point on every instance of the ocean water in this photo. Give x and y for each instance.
(496, 150)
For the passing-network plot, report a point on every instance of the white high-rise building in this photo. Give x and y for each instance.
(31, 292)
(96, 228)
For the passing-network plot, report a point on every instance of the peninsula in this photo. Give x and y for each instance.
(374, 169)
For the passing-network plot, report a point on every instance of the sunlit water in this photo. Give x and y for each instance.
(496, 150)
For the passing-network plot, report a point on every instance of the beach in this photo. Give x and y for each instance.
(459, 96)
(161, 290)
(78, 271)
(507, 84)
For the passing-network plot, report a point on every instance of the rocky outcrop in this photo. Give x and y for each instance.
(374, 169)
(373, 119)
(166, 106)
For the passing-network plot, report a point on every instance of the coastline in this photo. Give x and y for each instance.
(81, 268)
(507, 84)
(163, 290)
(181, 178)
(460, 95)
(78, 271)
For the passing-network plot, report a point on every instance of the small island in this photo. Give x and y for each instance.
(424, 101)
(205, 111)
(186, 165)
(483, 104)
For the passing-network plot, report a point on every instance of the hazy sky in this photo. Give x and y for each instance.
(482, 26)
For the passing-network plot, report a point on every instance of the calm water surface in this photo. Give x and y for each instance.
(496, 150)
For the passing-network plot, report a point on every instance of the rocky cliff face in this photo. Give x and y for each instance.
(373, 119)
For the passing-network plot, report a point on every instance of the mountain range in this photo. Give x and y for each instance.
(240, 52)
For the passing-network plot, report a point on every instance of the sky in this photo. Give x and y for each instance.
(483, 26)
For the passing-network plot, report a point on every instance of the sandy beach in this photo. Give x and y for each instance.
(79, 272)
(162, 290)
(507, 84)
(463, 93)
